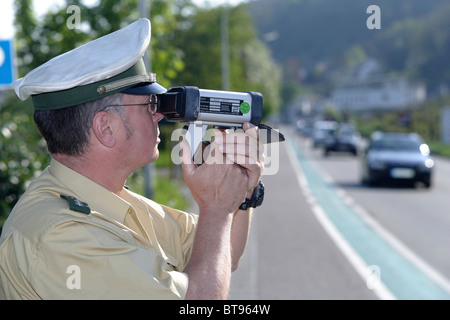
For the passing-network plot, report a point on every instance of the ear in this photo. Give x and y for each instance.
(103, 129)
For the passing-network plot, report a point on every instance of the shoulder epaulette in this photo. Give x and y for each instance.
(77, 205)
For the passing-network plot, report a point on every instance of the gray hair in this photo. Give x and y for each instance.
(66, 130)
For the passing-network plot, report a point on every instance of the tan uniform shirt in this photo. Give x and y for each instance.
(92, 244)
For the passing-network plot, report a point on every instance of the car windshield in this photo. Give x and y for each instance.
(396, 144)
(346, 133)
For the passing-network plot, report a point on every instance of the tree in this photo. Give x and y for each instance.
(37, 42)
(251, 65)
(23, 151)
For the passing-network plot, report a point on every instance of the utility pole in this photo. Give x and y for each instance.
(225, 45)
(149, 169)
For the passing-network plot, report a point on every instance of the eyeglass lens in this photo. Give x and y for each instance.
(153, 103)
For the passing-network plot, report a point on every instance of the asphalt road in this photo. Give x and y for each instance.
(320, 234)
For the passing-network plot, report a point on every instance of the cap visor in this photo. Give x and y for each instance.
(144, 89)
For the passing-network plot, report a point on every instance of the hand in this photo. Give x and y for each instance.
(246, 151)
(232, 169)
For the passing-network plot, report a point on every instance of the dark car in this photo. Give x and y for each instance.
(345, 139)
(323, 129)
(397, 157)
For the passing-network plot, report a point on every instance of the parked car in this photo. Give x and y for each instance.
(345, 139)
(322, 130)
(397, 157)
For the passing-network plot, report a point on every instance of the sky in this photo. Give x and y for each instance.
(42, 6)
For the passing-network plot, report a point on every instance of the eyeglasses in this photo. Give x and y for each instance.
(152, 104)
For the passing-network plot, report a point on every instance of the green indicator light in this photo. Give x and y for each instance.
(245, 107)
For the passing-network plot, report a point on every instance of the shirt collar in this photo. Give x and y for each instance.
(96, 196)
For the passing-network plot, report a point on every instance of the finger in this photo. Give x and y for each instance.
(245, 154)
(251, 129)
(253, 171)
(187, 164)
(248, 125)
(219, 136)
(242, 145)
(242, 160)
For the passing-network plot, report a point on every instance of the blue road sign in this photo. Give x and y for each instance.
(7, 69)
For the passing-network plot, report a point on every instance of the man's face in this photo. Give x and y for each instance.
(142, 138)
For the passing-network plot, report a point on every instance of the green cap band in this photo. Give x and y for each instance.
(77, 95)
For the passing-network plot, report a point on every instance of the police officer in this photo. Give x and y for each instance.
(77, 233)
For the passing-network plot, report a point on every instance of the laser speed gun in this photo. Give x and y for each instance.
(221, 109)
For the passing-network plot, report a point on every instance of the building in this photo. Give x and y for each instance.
(367, 89)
